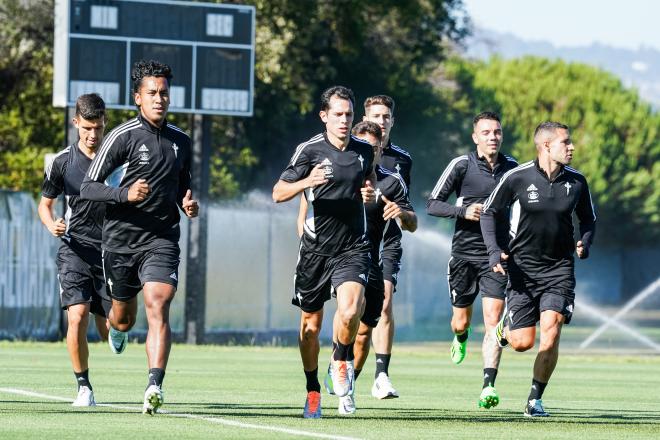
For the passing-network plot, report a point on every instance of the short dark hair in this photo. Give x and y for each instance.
(368, 127)
(548, 126)
(142, 69)
(339, 91)
(486, 115)
(90, 106)
(379, 100)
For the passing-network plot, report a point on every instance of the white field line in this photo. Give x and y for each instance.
(216, 420)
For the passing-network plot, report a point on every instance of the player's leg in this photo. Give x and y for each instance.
(492, 287)
(350, 305)
(122, 285)
(102, 327)
(556, 310)
(76, 344)
(462, 278)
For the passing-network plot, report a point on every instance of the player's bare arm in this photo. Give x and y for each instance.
(57, 227)
(284, 191)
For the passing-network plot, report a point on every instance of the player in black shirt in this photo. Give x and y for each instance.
(542, 195)
(143, 171)
(80, 272)
(335, 171)
(472, 177)
(380, 110)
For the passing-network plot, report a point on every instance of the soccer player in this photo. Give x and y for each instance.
(335, 172)
(80, 272)
(380, 110)
(392, 206)
(143, 171)
(543, 194)
(472, 177)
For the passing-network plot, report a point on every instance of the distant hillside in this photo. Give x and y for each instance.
(636, 68)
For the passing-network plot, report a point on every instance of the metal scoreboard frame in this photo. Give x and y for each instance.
(209, 46)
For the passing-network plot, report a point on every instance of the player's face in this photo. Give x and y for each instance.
(381, 115)
(488, 136)
(375, 143)
(561, 147)
(90, 131)
(338, 118)
(153, 98)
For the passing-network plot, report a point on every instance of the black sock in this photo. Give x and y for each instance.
(83, 379)
(489, 377)
(463, 336)
(156, 376)
(356, 373)
(351, 352)
(313, 380)
(537, 390)
(382, 363)
(341, 352)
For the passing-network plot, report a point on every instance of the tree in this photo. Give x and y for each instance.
(617, 135)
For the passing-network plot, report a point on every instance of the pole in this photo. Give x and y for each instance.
(195, 304)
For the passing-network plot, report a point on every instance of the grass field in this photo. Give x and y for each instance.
(258, 392)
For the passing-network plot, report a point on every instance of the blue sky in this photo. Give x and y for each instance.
(625, 24)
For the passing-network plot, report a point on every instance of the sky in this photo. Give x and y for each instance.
(628, 24)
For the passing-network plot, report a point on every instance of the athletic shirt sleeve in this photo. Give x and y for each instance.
(586, 216)
(499, 200)
(104, 176)
(399, 193)
(53, 184)
(449, 182)
(300, 165)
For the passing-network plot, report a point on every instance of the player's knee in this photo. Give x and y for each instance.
(460, 324)
(310, 330)
(521, 344)
(123, 326)
(349, 314)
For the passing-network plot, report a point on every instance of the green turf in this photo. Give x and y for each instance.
(589, 397)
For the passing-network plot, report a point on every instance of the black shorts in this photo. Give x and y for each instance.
(467, 278)
(80, 274)
(318, 276)
(526, 300)
(125, 274)
(374, 295)
(391, 269)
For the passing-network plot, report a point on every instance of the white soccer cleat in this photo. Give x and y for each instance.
(85, 397)
(117, 340)
(153, 399)
(347, 404)
(382, 388)
(342, 374)
(534, 408)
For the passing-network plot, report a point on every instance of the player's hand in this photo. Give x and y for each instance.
(190, 206)
(581, 250)
(58, 227)
(368, 193)
(498, 267)
(138, 191)
(391, 209)
(473, 212)
(316, 177)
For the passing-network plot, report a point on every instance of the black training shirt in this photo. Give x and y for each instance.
(392, 186)
(137, 150)
(472, 180)
(335, 220)
(64, 175)
(542, 241)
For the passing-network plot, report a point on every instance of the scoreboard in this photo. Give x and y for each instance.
(209, 46)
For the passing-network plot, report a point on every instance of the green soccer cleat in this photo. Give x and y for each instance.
(489, 398)
(459, 349)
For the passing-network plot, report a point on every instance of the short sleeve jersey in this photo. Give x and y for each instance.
(64, 175)
(392, 186)
(335, 220)
(137, 150)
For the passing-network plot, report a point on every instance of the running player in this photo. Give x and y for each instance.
(335, 172)
(392, 206)
(472, 177)
(542, 194)
(79, 267)
(380, 110)
(143, 170)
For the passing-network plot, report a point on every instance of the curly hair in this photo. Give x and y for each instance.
(142, 69)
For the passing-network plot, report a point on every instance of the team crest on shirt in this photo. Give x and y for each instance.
(327, 168)
(176, 149)
(532, 194)
(144, 155)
